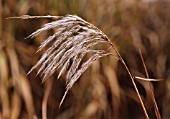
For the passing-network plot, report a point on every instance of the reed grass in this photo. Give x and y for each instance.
(105, 90)
(75, 38)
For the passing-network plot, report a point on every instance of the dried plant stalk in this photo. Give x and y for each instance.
(75, 38)
(151, 88)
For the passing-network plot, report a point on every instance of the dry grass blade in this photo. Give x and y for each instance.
(146, 79)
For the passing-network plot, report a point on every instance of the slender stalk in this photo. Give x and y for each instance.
(133, 82)
(157, 113)
(0, 19)
(45, 99)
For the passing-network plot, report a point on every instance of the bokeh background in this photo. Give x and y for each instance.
(105, 90)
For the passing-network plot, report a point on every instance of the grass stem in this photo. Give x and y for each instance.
(134, 84)
(157, 113)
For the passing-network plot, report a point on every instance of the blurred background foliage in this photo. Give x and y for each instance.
(105, 90)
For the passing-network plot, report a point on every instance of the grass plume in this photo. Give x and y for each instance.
(75, 38)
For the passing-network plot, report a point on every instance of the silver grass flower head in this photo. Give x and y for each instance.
(73, 39)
